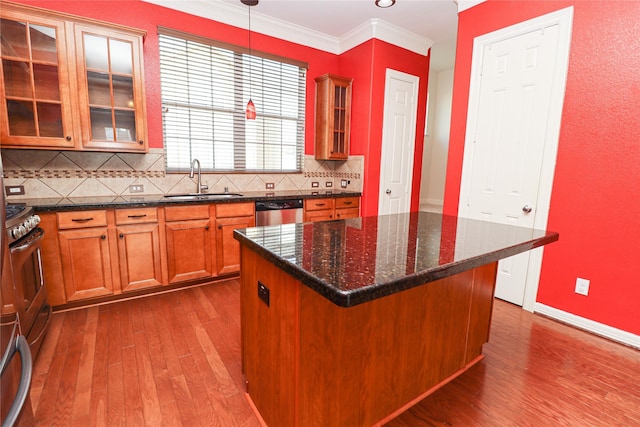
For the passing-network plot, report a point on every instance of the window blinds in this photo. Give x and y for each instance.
(205, 87)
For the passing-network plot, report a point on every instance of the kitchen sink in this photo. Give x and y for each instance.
(201, 196)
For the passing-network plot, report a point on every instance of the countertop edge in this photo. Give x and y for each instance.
(379, 290)
(77, 204)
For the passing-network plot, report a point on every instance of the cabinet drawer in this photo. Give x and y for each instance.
(181, 213)
(136, 216)
(347, 202)
(318, 204)
(231, 210)
(81, 219)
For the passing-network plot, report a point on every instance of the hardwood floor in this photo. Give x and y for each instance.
(174, 360)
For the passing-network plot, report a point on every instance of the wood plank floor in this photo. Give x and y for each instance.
(174, 360)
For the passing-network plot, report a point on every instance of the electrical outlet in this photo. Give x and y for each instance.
(270, 185)
(263, 293)
(582, 286)
(139, 188)
(328, 184)
(14, 190)
(343, 183)
(315, 184)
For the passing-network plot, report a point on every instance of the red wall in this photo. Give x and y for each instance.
(368, 63)
(594, 203)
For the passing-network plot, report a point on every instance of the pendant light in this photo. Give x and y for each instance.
(251, 108)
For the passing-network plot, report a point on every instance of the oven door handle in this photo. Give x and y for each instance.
(38, 234)
(19, 344)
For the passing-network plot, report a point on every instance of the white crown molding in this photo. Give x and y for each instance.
(382, 30)
(467, 4)
(597, 328)
(236, 16)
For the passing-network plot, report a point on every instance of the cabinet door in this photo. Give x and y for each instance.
(333, 117)
(139, 256)
(86, 263)
(111, 89)
(228, 248)
(313, 216)
(35, 104)
(189, 250)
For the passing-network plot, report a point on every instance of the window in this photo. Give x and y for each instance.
(205, 88)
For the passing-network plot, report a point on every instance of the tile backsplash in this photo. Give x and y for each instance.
(45, 174)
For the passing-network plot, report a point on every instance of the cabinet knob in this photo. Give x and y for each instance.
(103, 237)
(68, 138)
(121, 236)
(219, 227)
(141, 142)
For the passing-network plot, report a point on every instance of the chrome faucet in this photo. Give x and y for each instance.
(200, 187)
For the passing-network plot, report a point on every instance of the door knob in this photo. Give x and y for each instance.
(388, 191)
(527, 209)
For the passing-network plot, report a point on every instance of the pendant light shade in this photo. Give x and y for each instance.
(251, 110)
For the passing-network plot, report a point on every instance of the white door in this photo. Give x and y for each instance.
(398, 142)
(515, 107)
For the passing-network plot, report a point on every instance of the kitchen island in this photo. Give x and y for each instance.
(348, 323)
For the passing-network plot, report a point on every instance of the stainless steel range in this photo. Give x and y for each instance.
(25, 247)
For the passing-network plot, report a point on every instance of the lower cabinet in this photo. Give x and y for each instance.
(139, 254)
(85, 255)
(228, 218)
(328, 209)
(189, 237)
(109, 253)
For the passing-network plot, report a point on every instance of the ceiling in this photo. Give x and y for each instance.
(338, 25)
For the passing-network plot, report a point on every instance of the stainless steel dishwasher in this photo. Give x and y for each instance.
(274, 212)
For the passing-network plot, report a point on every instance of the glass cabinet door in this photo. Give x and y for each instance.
(35, 108)
(112, 91)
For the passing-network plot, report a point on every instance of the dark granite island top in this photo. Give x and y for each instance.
(349, 323)
(357, 260)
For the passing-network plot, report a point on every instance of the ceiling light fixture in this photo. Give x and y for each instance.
(385, 3)
(251, 108)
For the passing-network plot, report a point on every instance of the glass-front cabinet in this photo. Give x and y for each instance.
(111, 89)
(70, 83)
(333, 117)
(36, 107)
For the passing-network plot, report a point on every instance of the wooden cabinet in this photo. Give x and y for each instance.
(230, 216)
(333, 117)
(139, 254)
(347, 207)
(85, 254)
(35, 104)
(70, 82)
(327, 209)
(318, 210)
(189, 236)
(111, 88)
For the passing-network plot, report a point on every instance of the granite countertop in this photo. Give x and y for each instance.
(361, 259)
(136, 201)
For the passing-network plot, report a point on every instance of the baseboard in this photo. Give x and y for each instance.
(597, 328)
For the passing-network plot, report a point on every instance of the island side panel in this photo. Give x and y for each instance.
(270, 345)
(484, 283)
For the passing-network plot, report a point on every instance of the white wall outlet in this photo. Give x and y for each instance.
(270, 185)
(328, 184)
(343, 183)
(136, 188)
(582, 286)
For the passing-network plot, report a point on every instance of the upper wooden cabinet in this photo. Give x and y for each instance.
(111, 89)
(70, 83)
(333, 117)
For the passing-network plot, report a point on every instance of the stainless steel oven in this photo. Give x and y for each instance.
(15, 356)
(25, 246)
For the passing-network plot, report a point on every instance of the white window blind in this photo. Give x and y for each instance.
(205, 89)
